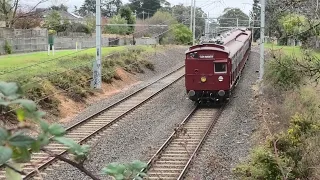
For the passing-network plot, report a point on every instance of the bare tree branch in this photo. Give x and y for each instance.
(78, 166)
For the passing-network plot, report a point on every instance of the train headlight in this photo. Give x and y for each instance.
(220, 78)
(203, 79)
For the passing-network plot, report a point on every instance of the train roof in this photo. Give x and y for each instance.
(208, 46)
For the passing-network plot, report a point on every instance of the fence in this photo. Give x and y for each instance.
(33, 44)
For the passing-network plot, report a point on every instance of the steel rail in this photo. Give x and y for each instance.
(69, 130)
(180, 158)
(202, 141)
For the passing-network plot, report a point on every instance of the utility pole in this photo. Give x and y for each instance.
(191, 15)
(208, 31)
(96, 83)
(194, 22)
(143, 15)
(263, 7)
(253, 15)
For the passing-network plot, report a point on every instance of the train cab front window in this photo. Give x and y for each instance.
(220, 67)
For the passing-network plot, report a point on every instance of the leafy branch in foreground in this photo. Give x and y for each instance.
(16, 146)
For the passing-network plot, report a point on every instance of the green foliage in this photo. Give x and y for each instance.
(293, 23)
(7, 47)
(125, 171)
(264, 164)
(117, 29)
(126, 13)
(53, 20)
(16, 147)
(283, 72)
(182, 34)
(108, 8)
(233, 13)
(141, 5)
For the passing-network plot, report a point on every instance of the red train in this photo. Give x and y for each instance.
(212, 69)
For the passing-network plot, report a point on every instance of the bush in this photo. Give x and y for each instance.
(264, 163)
(182, 34)
(7, 47)
(283, 73)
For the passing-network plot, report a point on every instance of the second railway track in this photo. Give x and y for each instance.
(90, 127)
(172, 160)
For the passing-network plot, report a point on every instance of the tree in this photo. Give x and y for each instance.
(160, 17)
(109, 8)
(17, 146)
(255, 15)
(145, 8)
(9, 9)
(233, 17)
(182, 34)
(182, 14)
(61, 7)
(126, 13)
(117, 29)
(53, 20)
(27, 21)
(293, 24)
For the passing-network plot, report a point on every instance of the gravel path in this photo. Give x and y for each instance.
(229, 141)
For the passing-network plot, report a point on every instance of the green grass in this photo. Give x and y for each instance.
(39, 63)
(288, 50)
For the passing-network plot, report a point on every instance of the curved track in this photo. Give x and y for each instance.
(172, 160)
(90, 128)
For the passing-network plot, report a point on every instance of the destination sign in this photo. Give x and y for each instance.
(206, 56)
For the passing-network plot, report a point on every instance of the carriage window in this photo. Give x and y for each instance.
(220, 67)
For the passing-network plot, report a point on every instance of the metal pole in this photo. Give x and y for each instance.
(253, 28)
(97, 65)
(208, 27)
(191, 15)
(194, 22)
(143, 15)
(262, 39)
(237, 22)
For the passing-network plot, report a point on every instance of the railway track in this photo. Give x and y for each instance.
(174, 157)
(102, 121)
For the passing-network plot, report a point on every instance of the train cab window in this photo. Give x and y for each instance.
(194, 55)
(220, 67)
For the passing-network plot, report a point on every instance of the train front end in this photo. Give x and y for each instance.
(207, 73)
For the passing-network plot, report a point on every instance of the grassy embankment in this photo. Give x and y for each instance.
(42, 76)
(287, 142)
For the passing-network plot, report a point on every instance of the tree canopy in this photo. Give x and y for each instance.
(109, 8)
(143, 7)
(233, 17)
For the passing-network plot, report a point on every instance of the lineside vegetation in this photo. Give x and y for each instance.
(291, 145)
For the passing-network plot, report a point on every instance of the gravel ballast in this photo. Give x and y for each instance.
(164, 61)
(141, 133)
(229, 142)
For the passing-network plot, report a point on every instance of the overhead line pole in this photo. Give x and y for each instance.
(191, 15)
(194, 22)
(263, 6)
(96, 83)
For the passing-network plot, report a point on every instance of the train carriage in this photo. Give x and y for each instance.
(213, 69)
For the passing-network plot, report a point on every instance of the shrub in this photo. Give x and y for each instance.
(283, 72)
(7, 47)
(289, 159)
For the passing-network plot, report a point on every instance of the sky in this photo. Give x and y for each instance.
(213, 7)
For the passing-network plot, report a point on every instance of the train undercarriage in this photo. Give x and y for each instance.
(209, 97)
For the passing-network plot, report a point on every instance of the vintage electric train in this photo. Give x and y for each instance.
(213, 68)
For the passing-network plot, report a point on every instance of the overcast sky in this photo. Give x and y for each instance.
(213, 7)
